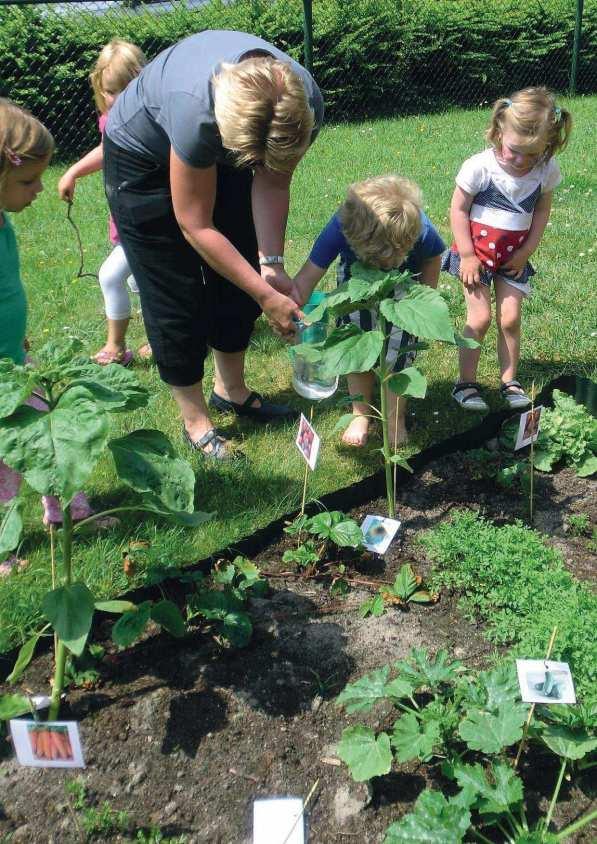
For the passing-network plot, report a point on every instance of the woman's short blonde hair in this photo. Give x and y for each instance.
(381, 219)
(534, 114)
(263, 113)
(118, 62)
(22, 138)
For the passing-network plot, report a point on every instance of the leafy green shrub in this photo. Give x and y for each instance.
(371, 57)
(515, 583)
(454, 717)
(568, 433)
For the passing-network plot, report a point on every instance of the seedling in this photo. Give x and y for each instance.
(56, 451)
(398, 301)
(405, 590)
(579, 524)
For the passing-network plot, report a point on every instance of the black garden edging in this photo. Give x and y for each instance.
(357, 494)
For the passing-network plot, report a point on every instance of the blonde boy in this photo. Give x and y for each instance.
(381, 223)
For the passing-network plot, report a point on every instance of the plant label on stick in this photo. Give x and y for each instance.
(278, 821)
(545, 681)
(307, 442)
(47, 744)
(528, 429)
(378, 532)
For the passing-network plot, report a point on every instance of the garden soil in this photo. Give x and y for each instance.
(185, 735)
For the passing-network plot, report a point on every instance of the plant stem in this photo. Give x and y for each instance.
(574, 827)
(383, 325)
(552, 805)
(480, 837)
(58, 681)
(532, 458)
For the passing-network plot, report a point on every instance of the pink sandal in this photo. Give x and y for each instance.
(104, 358)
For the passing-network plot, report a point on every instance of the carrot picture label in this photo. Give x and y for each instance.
(49, 744)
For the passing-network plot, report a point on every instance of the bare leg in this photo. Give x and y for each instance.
(359, 384)
(396, 419)
(230, 377)
(508, 304)
(478, 320)
(193, 408)
(115, 344)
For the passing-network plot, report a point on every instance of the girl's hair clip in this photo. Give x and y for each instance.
(507, 102)
(14, 159)
(557, 111)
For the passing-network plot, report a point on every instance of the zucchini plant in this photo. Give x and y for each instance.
(397, 300)
(464, 722)
(56, 451)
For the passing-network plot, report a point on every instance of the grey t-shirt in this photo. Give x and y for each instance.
(171, 102)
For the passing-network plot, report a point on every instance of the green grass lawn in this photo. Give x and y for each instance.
(559, 324)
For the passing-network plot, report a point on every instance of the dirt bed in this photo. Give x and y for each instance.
(184, 736)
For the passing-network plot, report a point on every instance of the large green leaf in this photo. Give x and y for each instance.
(168, 616)
(412, 739)
(347, 534)
(366, 692)
(421, 670)
(131, 625)
(500, 685)
(587, 466)
(567, 742)
(399, 688)
(115, 606)
(434, 820)
(147, 462)
(11, 527)
(422, 312)
(69, 609)
(112, 386)
(16, 384)
(55, 354)
(409, 382)
(56, 451)
(349, 349)
(12, 705)
(405, 583)
(491, 732)
(365, 754)
(497, 792)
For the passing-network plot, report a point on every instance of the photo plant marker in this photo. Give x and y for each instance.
(56, 450)
(302, 812)
(397, 301)
(532, 709)
(47, 744)
(304, 498)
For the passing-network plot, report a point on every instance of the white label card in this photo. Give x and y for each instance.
(545, 681)
(278, 821)
(378, 532)
(47, 744)
(528, 429)
(307, 441)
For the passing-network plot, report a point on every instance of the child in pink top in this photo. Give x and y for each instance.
(117, 64)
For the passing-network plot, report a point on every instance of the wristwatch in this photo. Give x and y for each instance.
(266, 260)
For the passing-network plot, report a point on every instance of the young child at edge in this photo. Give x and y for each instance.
(26, 147)
(500, 207)
(381, 223)
(117, 63)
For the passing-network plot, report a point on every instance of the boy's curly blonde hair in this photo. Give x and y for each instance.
(118, 62)
(381, 219)
(534, 114)
(22, 138)
(263, 113)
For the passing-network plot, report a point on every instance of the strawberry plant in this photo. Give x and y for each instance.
(397, 300)
(405, 589)
(56, 451)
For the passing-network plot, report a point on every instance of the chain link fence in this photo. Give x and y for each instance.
(370, 57)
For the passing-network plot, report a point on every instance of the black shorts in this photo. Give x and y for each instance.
(187, 307)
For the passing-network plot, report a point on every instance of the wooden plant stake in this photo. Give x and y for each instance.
(306, 473)
(309, 795)
(532, 458)
(532, 709)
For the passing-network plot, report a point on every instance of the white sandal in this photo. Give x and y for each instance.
(472, 401)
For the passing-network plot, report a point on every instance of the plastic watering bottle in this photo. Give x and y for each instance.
(308, 378)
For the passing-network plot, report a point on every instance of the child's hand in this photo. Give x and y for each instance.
(515, 265)
(470, 271)
(66, 187)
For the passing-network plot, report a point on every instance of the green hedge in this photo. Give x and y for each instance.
(372, 57)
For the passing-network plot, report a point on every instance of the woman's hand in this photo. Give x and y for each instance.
(277, 277)
(470, 270)
(515, 265)
(282, 313)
